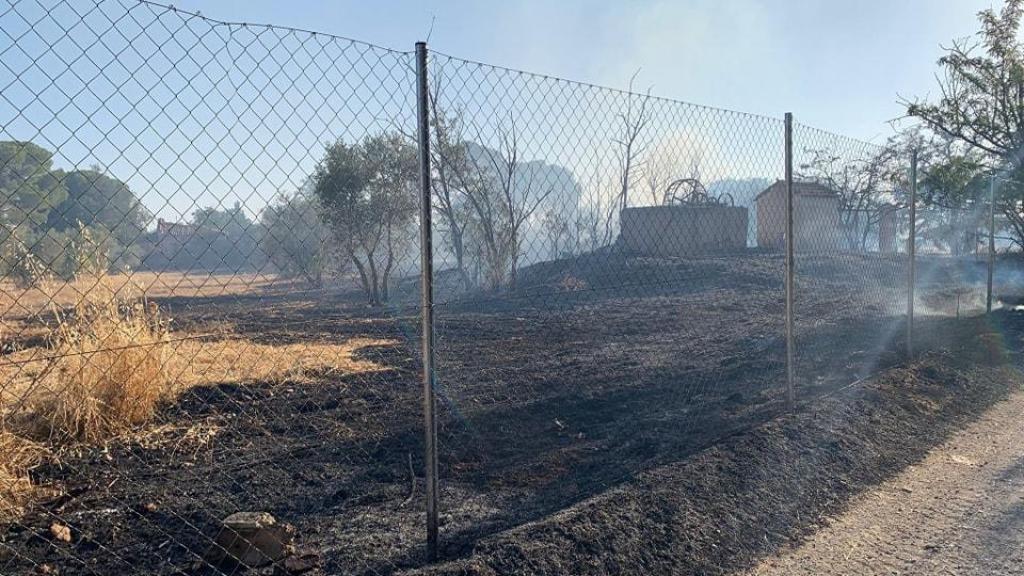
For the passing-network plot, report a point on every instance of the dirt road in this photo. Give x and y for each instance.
(959, 511)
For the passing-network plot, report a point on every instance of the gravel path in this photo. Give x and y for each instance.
(959, 511)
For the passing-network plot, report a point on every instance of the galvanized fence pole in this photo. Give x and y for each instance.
(427, 293)
(790, 376)
(912, 255)
(991, 242)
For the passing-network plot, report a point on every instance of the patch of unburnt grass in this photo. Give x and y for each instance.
(111, 361)
(17, 458)
(109, 367)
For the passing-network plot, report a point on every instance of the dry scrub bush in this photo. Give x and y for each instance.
(108, 369)
(570, 283)
(6, 345)
(17, 457)
(110, 361)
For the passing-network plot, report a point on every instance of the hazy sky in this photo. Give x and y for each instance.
(836, 65)
(193, 114)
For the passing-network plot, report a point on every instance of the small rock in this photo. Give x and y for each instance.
(249, 520)
(60, 532)
(252, 539)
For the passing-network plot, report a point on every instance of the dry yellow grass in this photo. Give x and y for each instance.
(110, 363)
(17, 457)
(107, 370)
(203, 363)
(18, 302)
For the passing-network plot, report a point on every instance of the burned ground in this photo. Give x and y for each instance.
(598, 388)
(723, 508)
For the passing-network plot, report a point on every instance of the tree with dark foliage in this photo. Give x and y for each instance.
(367, 195)
(982, 104)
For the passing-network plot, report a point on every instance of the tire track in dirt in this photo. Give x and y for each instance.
(959, 511)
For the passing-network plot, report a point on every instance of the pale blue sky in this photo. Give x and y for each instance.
(838, 65)
(191, 113)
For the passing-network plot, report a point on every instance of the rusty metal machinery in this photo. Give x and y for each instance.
(690, 191)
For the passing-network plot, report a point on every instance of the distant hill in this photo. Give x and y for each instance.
(565, 191)
(742, 190)
(540, 178)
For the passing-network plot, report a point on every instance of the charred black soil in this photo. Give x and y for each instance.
(723, 508)
(612, 415)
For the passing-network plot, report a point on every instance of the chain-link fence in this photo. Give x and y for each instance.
(603, 305)
(185, 332)
(213, 306)
(852, 269)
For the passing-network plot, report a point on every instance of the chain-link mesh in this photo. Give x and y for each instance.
(185, 336)
(603, 305)
(210, 276)
(953, 259)
(852, 273)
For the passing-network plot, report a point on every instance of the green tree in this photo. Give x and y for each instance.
(293, 237)
(981, 105)
(224, 239)
(94, 198)
(957, 184)
(232, 222)
(954, 182)
(107, 210)
(29, 188)
(366, 192)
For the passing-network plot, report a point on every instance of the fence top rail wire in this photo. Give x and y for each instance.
(242, 24)
(603, 88)
(214, 22)
(653, 97)
(813, 133)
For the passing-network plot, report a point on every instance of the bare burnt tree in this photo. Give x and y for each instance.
(557, 230)
(486, 234)
(634, 120)
(453, 177)
(519, 199)
(501, 199)
(863, 186)
(592, 219)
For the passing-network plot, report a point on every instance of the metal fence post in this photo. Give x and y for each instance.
(790, 376)
(991, 242)
(912, 252)
(427, 293)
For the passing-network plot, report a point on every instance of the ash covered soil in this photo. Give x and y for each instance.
(611, 415)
